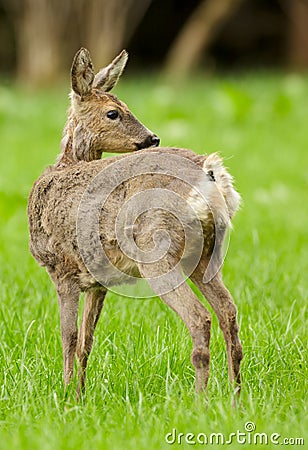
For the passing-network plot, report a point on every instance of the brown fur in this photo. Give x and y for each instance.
(53, 211)
(88, 131)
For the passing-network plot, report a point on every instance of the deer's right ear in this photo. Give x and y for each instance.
(82, 73)
(108, 77)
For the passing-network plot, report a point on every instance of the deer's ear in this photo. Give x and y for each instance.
(108, 77)
(82, 73)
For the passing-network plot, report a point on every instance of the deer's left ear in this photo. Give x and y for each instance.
(108, 77)
(82, 73)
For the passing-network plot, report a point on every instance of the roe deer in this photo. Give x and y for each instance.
(159, 213)
(99, 121)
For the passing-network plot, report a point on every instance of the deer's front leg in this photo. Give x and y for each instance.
(93, 304)
(68, 296)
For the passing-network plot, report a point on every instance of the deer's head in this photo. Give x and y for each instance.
(101, 116)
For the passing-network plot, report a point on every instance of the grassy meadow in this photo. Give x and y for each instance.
(140, 378)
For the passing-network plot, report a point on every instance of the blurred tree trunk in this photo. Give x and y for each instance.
(109, 26)
(298, 37)
(40, 27)
(197, 34)
(49, 32)
(39, 55)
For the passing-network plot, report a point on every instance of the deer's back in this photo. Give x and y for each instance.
(56, 196)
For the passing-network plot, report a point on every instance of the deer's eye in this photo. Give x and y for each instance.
(113, 114)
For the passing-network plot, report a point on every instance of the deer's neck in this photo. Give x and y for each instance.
(77, 144)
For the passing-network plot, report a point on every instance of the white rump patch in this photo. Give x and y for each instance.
(224, 182)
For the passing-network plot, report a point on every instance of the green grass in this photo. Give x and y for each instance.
(140, 379)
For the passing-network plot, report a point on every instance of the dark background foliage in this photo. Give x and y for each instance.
(39, 37)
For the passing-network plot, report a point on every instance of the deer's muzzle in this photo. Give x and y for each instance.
(151, 141)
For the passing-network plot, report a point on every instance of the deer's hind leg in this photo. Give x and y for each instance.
(93, 304)
(195, 316)
(223, 305)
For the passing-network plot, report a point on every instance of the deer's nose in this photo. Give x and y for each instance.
(151, 141)
(155, 140)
